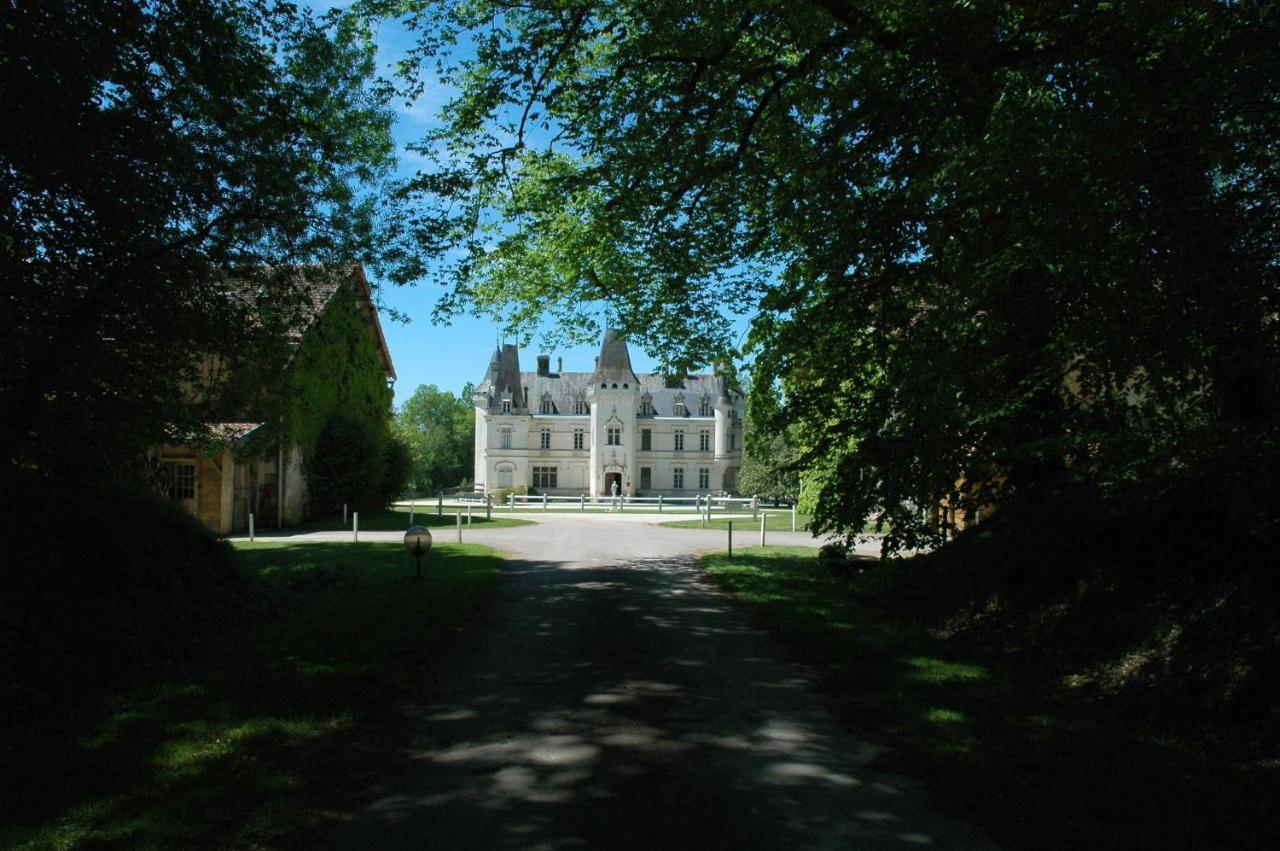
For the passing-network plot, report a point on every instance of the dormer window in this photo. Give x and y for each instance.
(646, 405)
(547, 407)
(579, 405)
(506, 403)
(704, 409)
(678, 408)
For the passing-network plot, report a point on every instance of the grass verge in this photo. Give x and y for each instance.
(1035, 767)
(270, 727)
(397, 520)
(776, 522)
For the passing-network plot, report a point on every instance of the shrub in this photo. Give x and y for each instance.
(397, 469)
(348, 467)
(88, 600)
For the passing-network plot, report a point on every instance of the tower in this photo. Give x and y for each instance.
(612, 393)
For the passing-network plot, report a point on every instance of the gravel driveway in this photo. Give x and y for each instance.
(611, 696)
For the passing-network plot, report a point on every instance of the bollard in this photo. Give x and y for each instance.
(793, 518)
(344, 515)
(440, 504)
(755, 507)
(251, 527)
(355, 526)
(730, 539)
(582, 502)
(459, 516)
(412, 505)
(622, 502)
(511, 502)
(544, 503)
(468, 515)
(764, 518)
(488, 506)
(659, 503)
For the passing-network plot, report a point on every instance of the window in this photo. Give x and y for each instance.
(678, 409)
(704, 441)
(544, 477)
(504, 439)
(704, 478)
(544, 439)
(613, 435)
(677, 478)
(579, 405)
(577, 438)
(546, 407)
(704, 409)
(646, 405)
(506, 404)
(733, 439)
(646, 440)
(679, 445)
(182, 481)
(505, 474)
(646, 478)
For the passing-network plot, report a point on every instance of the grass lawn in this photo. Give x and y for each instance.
(272, 725)
(397, 520)
(1033, 766)
(778, 521)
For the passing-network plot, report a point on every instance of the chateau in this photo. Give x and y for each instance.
(582, 432)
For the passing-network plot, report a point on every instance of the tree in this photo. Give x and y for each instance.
(770, 468)
(439, 428)
(170, 176)
(1009, 244)
(350, 466)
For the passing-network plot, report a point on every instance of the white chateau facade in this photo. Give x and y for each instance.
(582, 432)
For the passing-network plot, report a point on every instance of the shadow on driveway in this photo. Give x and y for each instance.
(631, 704)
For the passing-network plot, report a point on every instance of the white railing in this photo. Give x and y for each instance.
(698, 503)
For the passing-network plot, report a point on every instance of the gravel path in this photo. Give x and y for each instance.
(611, 696)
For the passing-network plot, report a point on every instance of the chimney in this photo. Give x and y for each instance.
(544, 365)
(559, 365)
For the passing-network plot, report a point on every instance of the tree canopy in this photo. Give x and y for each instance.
(1007, 244)
(170, 174)
(439, 430)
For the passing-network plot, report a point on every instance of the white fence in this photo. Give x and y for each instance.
(696, 504)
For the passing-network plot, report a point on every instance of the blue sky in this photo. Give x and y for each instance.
(425, 353)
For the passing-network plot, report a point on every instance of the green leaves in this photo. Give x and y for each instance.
(986, 245)
(439, 430)
(163, 149)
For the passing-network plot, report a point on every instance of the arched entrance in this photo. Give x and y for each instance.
(610, 478)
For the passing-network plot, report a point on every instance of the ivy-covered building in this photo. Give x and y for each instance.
(275, 403)
(570, 433)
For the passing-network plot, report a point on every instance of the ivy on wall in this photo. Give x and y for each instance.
(296, 391)
(336, 370)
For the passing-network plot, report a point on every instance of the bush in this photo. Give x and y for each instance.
(397, 469)
(830, 554)
(89, 599)
(349, 466)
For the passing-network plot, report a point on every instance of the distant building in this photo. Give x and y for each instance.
(583, 432)
(335, 357)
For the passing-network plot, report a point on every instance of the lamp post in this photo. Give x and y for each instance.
(417, 540)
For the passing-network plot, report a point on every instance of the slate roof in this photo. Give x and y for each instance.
(316, 287)
(563, 388)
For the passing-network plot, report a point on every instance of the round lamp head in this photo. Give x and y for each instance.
(417, 540)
